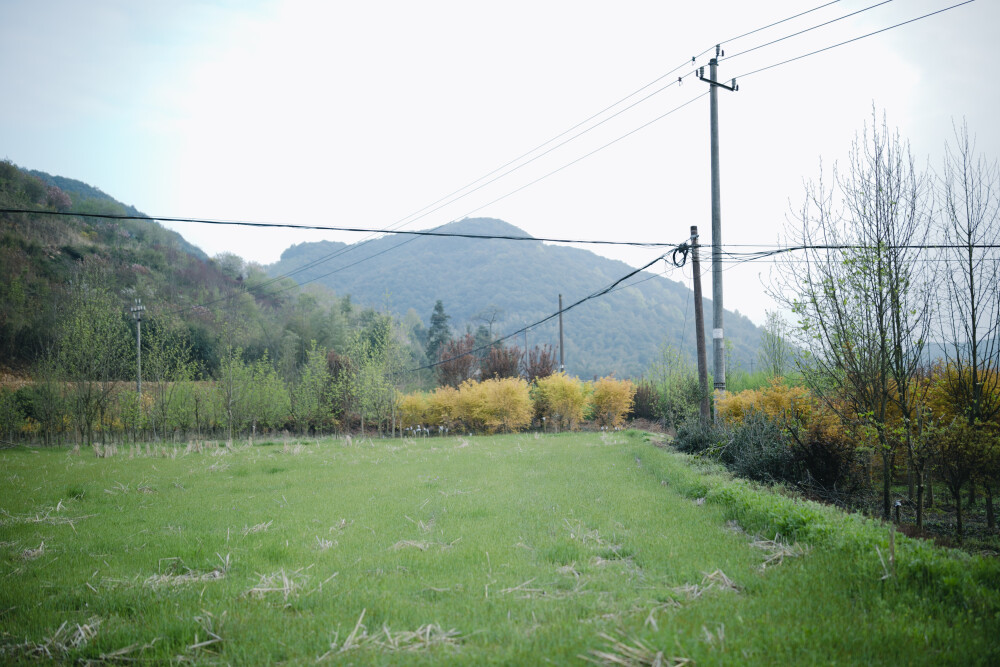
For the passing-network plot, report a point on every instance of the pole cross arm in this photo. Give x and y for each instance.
(732, 87)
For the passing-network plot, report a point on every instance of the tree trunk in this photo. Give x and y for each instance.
(958, 514)
(930, 488)
(920, 501)
(886, 483)
(991, 522)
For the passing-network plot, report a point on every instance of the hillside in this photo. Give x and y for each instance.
(88, 199)
(41, 255)
(519, 282)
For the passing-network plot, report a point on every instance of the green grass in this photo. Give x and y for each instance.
(491, 550)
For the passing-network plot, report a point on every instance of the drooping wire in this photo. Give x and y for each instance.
(594, 295)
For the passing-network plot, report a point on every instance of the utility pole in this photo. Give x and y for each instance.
(718, 339)
(699, 328)
(562, 366)
(137, 310)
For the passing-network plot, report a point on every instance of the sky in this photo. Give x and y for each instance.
(365, 113)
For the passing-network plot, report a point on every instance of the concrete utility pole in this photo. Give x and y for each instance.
(718, 339)
(137, 310)
(562, 366)
(699, 328)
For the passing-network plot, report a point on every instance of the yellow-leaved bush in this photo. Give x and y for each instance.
(612, 400)
(782, 403)
(561, 400)
(506, 404)
(412, 408)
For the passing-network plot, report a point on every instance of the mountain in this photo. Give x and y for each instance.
(515, 283)
(87, 198)
(42, 255)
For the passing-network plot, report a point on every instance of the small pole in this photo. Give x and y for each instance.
(562, 366)
(137, 310)
(699, 327)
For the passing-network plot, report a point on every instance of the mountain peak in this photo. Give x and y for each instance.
(483, 227)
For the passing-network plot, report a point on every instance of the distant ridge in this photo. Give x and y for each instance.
(516, 283)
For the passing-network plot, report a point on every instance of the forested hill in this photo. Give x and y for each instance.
(43, 256)
(514, 283)
(88, 199)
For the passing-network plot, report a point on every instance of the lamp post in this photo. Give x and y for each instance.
(137, 310)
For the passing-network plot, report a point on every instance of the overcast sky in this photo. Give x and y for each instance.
(363, 113)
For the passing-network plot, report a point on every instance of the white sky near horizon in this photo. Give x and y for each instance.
(360, 114)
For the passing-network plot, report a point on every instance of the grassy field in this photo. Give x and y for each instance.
(520, 549)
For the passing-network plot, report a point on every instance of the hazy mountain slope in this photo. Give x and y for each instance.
(87, 198)
(521, 280)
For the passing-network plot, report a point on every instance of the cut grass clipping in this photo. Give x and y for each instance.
(522, 549)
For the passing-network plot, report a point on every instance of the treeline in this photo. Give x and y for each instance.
(81, 393)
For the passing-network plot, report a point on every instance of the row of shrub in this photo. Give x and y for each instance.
(786, 434)
(555, 402)
(44, 412)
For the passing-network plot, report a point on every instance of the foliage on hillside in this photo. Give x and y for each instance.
(211, 304)
(514, 283)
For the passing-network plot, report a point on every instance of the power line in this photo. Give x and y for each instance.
(431, 233)
(685, 104)
(809, 29)
(770, 25)
(423, 212)
(854, 39)
(594, 295)
(281, 225)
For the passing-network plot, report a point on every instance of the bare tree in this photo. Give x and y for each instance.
(775, 351)
(970, 311)
(863, 305)
(970, 317)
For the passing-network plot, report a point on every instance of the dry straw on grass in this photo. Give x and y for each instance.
(634, 654)
(32, 554)
(287, 584)
(716, 580)
(211, 626)
(422, 545)
(426, 636)
(64, 640)
(190, 577)
(259, 528)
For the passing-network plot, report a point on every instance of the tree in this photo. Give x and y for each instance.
(775, 351)
(970, 321)
(94, 350)
(232, 386)
(168, 365)
(311, 395)
(962, 446)
(540, 363)
(863, 306)
(456, 361)
(374, 366)
(502, 362)
(970, 318)
(439, 332)
(675, 380)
